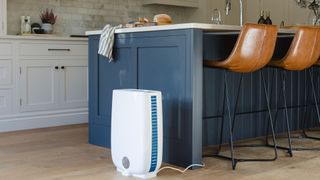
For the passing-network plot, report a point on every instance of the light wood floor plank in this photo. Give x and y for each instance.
(63, 153)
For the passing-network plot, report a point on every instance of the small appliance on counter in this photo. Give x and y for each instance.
(25, 25)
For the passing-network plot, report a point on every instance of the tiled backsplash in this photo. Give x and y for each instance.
(78, 16)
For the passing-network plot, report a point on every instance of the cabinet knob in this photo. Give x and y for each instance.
(56, 67)
(62, 67)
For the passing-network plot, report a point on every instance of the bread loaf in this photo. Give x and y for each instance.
(162, 19)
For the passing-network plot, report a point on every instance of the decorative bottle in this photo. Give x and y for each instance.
(261, 19)
(268, 19)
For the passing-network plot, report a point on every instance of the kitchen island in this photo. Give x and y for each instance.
(170, 59)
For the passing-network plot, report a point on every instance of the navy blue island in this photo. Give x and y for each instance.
(170, 59)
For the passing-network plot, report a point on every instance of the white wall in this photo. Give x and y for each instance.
(281, 10)
(204, 12)
(3, 17)
(78, 16)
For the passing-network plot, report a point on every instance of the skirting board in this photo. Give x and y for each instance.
(43, 121)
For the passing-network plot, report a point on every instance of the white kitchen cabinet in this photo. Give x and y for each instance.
(5, 101)
(54, 49)
(39, 85)
(6, 78)
(3, 17)
(180, 3)
(74, 84)
(43, 82)
(49, 84)
(5, 72)
(6, 49)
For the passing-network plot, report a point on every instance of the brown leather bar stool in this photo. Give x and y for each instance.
(253, 50)
(302, 54)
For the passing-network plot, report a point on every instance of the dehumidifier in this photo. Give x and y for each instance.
(136, 132)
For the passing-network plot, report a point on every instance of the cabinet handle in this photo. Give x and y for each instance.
(56, 67)
(62, 67)
(59, 50)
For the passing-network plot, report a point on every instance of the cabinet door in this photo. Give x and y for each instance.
(74, 84)
(39, 85)
(162, 66)
(104, 77)
(5, 72)
(5, 101)
(172, 64)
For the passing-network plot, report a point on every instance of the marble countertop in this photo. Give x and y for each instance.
(203, 26)
(42, 37)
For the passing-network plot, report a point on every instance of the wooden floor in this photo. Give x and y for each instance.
(63, 153)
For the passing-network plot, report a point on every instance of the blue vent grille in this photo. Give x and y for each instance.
(154, 122)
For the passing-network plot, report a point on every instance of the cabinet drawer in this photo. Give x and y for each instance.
(5, 49)
(5, 72)
(5, 101)
(39, 49)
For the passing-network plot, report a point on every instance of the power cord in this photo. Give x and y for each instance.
(182, 171)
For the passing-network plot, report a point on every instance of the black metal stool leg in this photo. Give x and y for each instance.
(223, 117)
(234, 161)
(237, 101)
(230, 115)
(316, 104)
(270, 115)
(309, 76)
(306, 99)
(278, 97)
(268, 123)
(283, 84)
(282, 92)
(265, 91)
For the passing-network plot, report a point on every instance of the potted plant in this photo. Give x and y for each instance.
(314, 6)
(48, 20)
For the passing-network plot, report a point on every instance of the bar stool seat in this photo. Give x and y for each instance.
(303, 53)
(317, 63)
(252, 51)
(304, 50)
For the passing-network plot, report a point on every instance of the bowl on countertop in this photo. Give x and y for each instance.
(38, 31)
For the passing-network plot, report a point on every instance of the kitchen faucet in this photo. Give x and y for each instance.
(228, 9)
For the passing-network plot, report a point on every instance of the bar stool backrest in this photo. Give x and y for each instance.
(254, 48)
(304, 50)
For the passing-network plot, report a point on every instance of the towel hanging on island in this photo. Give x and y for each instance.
(107, 41)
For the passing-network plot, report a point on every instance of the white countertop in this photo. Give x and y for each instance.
(42, 37)
(203, 26)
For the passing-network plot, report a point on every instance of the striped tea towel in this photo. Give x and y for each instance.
(107, 41)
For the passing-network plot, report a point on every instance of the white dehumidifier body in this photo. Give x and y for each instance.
(136, 132)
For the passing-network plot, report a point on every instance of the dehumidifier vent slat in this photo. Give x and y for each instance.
(154, 122)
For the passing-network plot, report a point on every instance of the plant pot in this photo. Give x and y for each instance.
(48, 28)
(313, 19)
